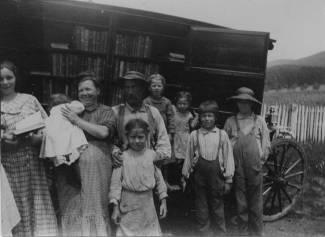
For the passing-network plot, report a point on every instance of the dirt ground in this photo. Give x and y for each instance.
(181, 222)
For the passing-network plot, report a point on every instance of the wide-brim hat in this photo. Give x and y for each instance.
(244, 93)
(133, 75)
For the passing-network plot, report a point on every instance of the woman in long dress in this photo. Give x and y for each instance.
(84, 209)
(19, 157)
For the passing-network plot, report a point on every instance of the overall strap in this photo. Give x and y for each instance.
(120, 123)
(219, 145)
(198, 142)
(152, 126)
(254, 125)
(237, 124)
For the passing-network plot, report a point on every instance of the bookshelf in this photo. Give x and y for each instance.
(58, 39)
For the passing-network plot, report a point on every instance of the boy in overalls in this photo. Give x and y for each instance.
(209, 154)
(249, 136)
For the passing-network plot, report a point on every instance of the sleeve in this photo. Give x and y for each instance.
(187, 166)
(170, 117)
(265, 142)
(39, 107)
(163, 147)
(229, 130)
(228, 158)
(107, 118)
(116, 186)
(161, 188)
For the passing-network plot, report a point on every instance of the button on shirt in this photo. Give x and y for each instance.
(209, 146)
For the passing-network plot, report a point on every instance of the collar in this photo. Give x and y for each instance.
(92, 107)
(205, 131)
(142, 109)
(241, 117)
(157, 101)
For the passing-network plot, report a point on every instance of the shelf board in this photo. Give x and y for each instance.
(50, 76)
(143, 59)
(121, 30)
(76, 51)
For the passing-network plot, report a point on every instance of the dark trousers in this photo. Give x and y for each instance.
(209, 188)
(248, 185)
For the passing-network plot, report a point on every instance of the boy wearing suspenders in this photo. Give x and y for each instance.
(209, 155)
(249, 136)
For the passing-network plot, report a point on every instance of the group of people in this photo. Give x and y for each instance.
(110, 160)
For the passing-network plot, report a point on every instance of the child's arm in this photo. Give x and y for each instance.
(228, 158)
(265, 141)
(189, 156)
(194, 121)
(115, 194)
(116, 186)
(161, 190)
(170, 114)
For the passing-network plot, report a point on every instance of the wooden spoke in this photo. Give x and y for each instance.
(279, 199)
(267, 200)
(286, 194)
(294, 186)
(273, 199)
(287, 161)
(267, 190)
(283, 155)
(294, 174)
(275, 163)
(292, 166)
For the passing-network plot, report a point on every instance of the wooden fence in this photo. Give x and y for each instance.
(306, 123)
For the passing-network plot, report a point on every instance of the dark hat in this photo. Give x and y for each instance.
(244, 93)
(133, 75)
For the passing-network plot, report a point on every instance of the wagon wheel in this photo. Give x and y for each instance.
(283, 175)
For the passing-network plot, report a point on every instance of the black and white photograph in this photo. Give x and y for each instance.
(162, 118)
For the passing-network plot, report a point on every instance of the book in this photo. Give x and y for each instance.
(30, 123)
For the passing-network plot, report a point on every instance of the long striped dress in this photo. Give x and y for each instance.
(26, 173)
(84, 211)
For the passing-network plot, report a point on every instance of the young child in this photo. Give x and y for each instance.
(132, 184)
(63, 140)
(157, 83)
(209, 154)
(185, 122)
(250, 139)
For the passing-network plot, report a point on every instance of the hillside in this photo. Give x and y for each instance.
(296, 73)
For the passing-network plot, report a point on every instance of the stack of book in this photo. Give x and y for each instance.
(122, 66)
(69, 65)
(176, 57)
(133, 45)
(90, 40)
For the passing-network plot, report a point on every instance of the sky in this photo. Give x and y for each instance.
(297, 25)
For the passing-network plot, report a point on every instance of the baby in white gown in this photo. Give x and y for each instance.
(63, 141)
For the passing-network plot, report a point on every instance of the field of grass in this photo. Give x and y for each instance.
(298, 97)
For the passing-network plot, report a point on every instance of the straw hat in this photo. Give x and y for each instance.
(244, 93)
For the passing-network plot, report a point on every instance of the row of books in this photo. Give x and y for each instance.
(133, 45)
(117, 96)
(121, 67)
(90, 40)
(70, 65)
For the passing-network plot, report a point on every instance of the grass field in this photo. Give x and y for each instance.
(298, 97)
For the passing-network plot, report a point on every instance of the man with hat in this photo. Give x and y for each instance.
(134, 86)
(249, 136)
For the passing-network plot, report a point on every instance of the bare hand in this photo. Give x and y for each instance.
(228, 188)
(183, 184)
(117, 159)
(10, 138)
(163, 209)
(69, 114)
(116, 216)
